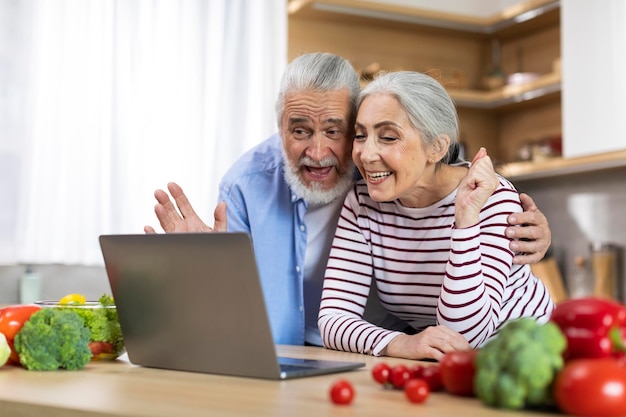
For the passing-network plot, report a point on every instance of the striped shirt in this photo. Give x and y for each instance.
(426, 271)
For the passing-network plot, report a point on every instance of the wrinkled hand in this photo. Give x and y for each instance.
(474, 190)
(184, 219)
(432, 343)
(532, 240)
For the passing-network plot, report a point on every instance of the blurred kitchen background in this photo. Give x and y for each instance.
(101, 102)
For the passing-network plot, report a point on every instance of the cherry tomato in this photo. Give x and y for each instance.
(342, 392)
(457, 372)
(381, 372)
(102, 348)
(591, 387)
(432, 375)
(400, 374)
(416, 390)
(12, 318)
(416, 371)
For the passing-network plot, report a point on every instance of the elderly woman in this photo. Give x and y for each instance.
(424, 230)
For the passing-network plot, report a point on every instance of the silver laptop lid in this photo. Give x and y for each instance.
(191, 302)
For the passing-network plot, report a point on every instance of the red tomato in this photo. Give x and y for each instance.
(12, 318)
(400, 374)
(591, 387)
(416, 390)
(457, 372)
(96, 348)
(416, 371)
(99, 348)
(432, 375)
(342, 392)
(381, 372)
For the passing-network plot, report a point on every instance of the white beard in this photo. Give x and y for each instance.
(313, 194)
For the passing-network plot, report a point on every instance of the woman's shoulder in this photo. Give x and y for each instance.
(506, 194)
(505, 183)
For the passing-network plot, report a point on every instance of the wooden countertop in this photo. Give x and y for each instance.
(119, 388)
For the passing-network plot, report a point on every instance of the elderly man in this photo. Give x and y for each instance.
(287, 192)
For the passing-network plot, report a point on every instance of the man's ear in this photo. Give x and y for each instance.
(439, 147)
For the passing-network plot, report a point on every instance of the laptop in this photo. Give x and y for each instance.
(193, 302)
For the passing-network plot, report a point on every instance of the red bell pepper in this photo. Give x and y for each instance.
(594, 327)
(12, 318)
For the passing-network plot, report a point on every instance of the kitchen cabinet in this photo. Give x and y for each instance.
(458, 49)
(594, 56)
(594, 51)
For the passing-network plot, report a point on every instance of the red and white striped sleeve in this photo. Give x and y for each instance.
(481, 279)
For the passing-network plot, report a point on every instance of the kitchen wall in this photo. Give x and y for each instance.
(56, 281)
(581, 209)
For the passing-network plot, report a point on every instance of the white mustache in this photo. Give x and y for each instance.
(326, 162)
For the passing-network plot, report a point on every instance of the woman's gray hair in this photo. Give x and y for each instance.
(318, 71)
(427, 104)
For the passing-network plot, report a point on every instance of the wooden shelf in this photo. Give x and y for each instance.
(546, 85)
(515, 18)
(555, 167)
(527, 13)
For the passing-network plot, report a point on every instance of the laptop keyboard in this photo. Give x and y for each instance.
(291, 368)
(287, 364)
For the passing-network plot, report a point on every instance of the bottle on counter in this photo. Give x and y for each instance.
(30, 286)
(604, 258)
(580, 282)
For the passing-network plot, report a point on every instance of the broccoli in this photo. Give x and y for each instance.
(53, 338)
(516, 368)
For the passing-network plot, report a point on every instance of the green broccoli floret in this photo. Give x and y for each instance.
(53, 338)
(516, 368)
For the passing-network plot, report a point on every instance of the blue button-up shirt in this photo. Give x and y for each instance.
(260, 202)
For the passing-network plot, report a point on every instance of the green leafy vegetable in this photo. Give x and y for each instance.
(53, 338)
(516, 368)
(103, 323)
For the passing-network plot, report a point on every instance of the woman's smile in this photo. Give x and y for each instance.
(378, 176)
